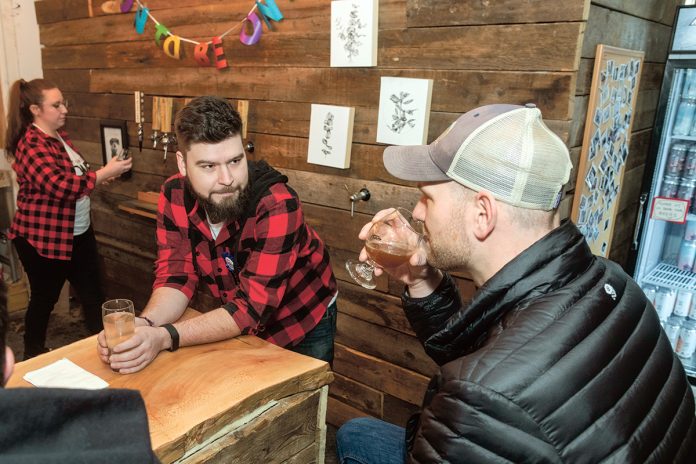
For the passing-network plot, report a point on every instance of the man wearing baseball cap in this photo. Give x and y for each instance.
(559, 357)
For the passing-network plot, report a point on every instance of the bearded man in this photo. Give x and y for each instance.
(238, 228)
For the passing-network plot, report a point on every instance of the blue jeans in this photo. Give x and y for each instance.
(366, 440)
(319, 342)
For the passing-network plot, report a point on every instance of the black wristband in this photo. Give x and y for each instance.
(149, 322)
(175, 336)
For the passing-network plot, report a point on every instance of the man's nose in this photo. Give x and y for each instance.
(225, 176)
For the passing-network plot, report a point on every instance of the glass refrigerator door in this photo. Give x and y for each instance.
(665, 267)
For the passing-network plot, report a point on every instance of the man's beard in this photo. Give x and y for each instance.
(229, 209)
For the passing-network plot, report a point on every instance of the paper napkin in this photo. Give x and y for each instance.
(64, 374)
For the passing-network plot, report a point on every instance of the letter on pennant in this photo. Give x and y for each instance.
(173, 41)
(200, 53)
(160, 30)
(270, 9)
(220, 60)
(255, 36)
(126, 6)
(140, 19)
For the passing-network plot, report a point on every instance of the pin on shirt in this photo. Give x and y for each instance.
(229, 261)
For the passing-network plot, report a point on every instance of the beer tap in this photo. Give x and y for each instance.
(362, 195)
(167, 139)
(155, 122)
(139, 103)
(164, 116)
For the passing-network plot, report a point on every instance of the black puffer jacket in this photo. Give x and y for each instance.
(559, 358)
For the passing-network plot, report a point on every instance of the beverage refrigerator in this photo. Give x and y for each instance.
(664, 241)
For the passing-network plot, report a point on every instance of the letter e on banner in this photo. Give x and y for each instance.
(200, 53)
(220, 60)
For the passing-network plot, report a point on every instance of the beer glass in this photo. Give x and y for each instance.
(390, 243)
(118, 317)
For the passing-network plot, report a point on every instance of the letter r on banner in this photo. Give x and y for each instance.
(200, 53)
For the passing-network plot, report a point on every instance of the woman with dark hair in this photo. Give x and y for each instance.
(51, 229)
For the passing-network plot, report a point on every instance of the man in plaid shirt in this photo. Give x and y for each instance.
(235, 226)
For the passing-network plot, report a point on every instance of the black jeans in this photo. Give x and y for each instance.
(46, 278)
(319, 342)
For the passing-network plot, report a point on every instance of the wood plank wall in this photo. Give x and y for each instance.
(476, 52)
(647, 26)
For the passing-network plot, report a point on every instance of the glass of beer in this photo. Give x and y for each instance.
(119, 321)
(390, 243)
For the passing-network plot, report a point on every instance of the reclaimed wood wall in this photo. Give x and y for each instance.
(476, 52)
(646, 26)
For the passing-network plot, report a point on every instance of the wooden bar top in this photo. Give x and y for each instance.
(193, 393)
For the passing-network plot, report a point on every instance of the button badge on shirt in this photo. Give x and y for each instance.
(229, 261)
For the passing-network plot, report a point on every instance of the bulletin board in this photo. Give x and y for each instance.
(610, 115)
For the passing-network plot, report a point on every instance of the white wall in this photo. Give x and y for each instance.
(20, 51)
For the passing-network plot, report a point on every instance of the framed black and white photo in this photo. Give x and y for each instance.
(114, 138)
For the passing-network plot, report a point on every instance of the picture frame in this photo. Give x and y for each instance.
(354, 29)
(114, 138)
(331, 135)
(606, 140)
(404, 110)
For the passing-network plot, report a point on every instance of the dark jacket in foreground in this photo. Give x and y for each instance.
(559, 358)
(54, 425)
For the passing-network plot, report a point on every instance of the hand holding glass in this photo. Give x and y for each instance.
(118, 317)
(391, 242)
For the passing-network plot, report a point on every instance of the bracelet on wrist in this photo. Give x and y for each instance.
(149, 322)
(174, 334)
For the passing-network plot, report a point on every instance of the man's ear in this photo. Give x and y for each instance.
(486, 210)
(181, 162)
(9, 365)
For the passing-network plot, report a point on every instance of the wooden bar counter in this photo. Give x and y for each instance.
(241, 400)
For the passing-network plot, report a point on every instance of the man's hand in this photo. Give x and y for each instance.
(136, 352)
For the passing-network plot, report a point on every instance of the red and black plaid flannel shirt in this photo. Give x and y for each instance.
(48, 192)
(271, 271)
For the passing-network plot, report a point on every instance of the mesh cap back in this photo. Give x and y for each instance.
(517, 158)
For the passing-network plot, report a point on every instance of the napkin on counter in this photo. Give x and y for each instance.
(64, 374)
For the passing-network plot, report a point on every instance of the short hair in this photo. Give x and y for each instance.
(206, 119)
(523, 217)
(3, 325)
(114, 139)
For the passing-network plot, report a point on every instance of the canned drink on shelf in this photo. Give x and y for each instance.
(689, 90)
(685, 117)
(670, 186)
(686, 342)
(690, 230)
(686, 190)
(692, 310)
(676, 159)
(687, 255)
(664, 302)
(689, 170)
(650, 292)
(682, 305)
(672, 326)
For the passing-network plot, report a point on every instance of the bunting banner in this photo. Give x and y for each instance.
(251, 30)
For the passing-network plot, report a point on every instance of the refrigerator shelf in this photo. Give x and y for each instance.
(666, 275)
